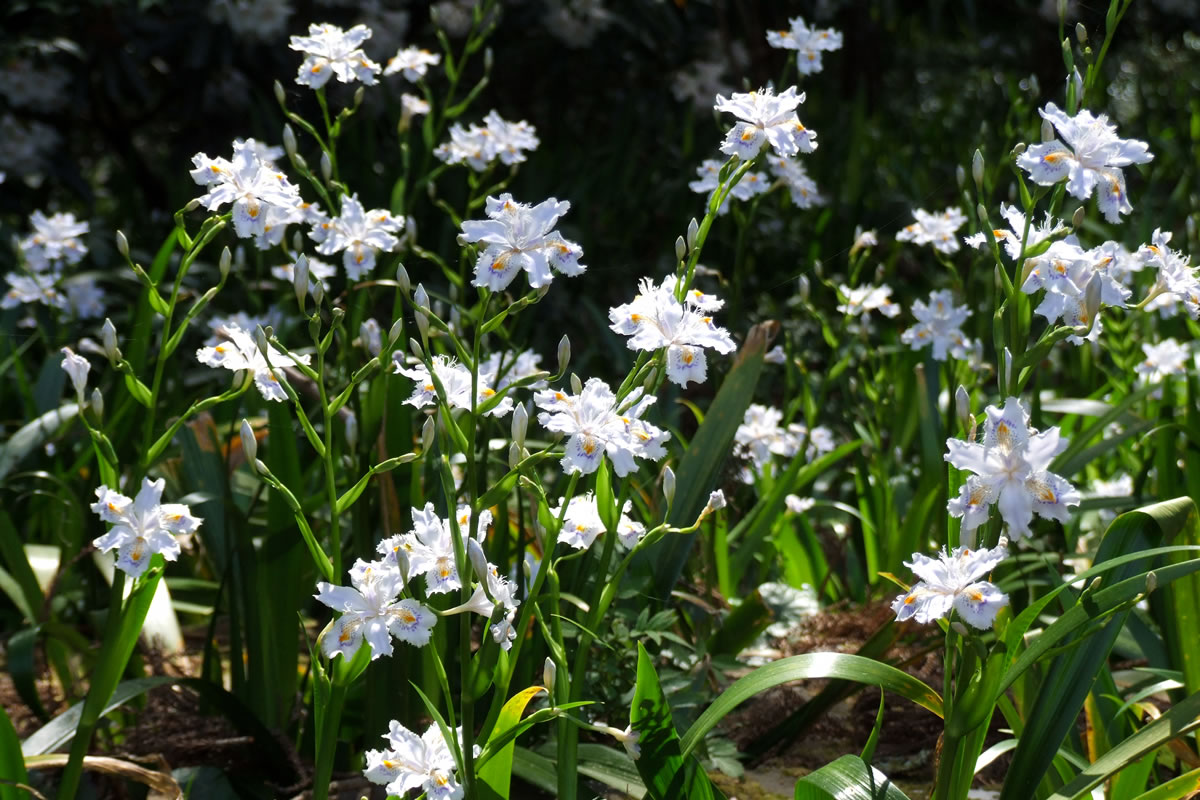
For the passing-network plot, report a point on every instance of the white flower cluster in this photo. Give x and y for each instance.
(939, 324)
(808, 43)
(359, 235)
(330, 51)
(264, 200)
(766, 117)
(655, 319)
(456, 382)
(521, 237)
(936, 230)
(1010, 470)
(1011, 238)
(1176, 281)
(142, 526)
(412, 62)
(234, 349)
(582, 524)
(56, 242)
(410, 762)
(598, 425)
(1065, 271)
(866, 298)
(1091, 158)
(498, 139)
(761, 436)
(952, 582)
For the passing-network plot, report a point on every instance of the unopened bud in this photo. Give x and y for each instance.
(803, 288)
(260, 339)
(1047, 131)
(680, 248)
(352, 431)
(1078, 217)
(301, 162)
(402, 279)
(520, 424)
(318, 293)
(122, 244)
(960, 177)
(960, 629)
(249, 443)
(300, 281)
(298, 241)
(259, 466)
(414, 347)
(1151, 581)
(692, 232)
(576, 384)
(1091, 300)
(358, 96)
(549, 673)
(489, 59)
(337, 314)
(1081, 33)
(191, 205)
(962, 406)
(427, 431)
(289, 141)
(421, 297)
(669, 485)
(564, 354)
(279, 93)
(981, 214)
(977, 169)
(423, 324)
(108, 338)
(395, 332)
(1018, 149)
(225, 262)
(478, 559)
(1008, 366)
(514, 455)
(97, 403)
(326, 167)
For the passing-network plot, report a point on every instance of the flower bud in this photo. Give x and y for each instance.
(191, 205)
(402, 279)
(337, 314)
(489, 58)
(520, 424)
(515, 455)
(97, 403)
(259, 466)
(358, 96)
(260, 339)
(421, 297)
(680, 248)
(326, 167)
(414, 347)
(576, 384)
(279, 94)
(224, 263)
(298, 242)
(1151, 581)
(1078, 217)
(300, 162)
(1081, 32)
(289, 141)
(108, 338)
(1091, 300)
(962, 406)
(960, 629)
(1006, 363)
(669, 485)
(960, 177)
(394, 334)
(1018, 149)
(692, 232)
(423, 324)
(318, 293)
(803, 288)
(977, 169)
(981, 215)
(300, 281)
(368, 336)
(352, 431)
(249, 443)
(478, 559)
(564, 354)
(549, 673)
(427, 431)
(1047, 131)
(122, 244)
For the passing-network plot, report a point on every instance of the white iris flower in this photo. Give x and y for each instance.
(369, 609)
(235, 349)
(422, 762)
(939, 323)
(142, 526)
(766, 117)
(330, 51)
(359, 235)
(521, 237)
(595, 428)
(952, 582)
